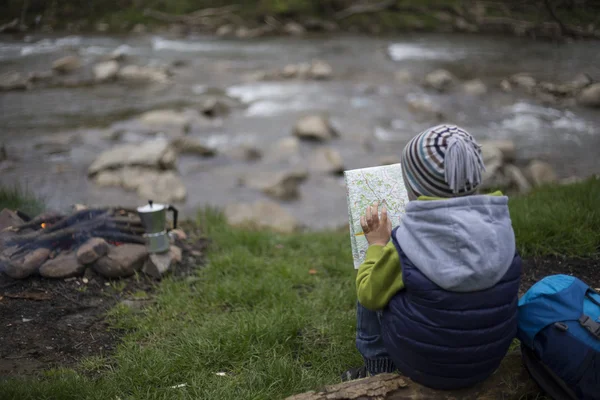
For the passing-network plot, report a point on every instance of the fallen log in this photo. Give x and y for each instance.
(510, 382)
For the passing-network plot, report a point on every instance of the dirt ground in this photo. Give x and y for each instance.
(46, 323)
(49, 323)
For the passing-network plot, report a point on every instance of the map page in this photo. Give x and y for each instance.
(365, 186)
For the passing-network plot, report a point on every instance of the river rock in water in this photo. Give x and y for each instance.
(475, 87)
(166, 187)
(440, 80)
(106, 71)
(136, 73)
(326, 160)
(171, 121)
(590, 96)
(280, 185)
(508, 148)
(66, 64)
(320, 70)
(294, 29)
(540, 173)
(261, 214)
(189, 145)
(314, 127)
(524, 81)
(14, 81)
(157, 154)
(286, 149)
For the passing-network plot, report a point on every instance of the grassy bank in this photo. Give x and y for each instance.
(17, 198)
(274, 313)
(402, 15)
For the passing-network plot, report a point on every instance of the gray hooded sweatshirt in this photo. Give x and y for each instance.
(463, 244)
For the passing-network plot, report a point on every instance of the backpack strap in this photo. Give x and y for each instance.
(592, 326)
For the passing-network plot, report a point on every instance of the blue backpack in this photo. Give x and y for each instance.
(559, 330)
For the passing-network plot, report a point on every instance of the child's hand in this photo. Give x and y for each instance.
(378, 230)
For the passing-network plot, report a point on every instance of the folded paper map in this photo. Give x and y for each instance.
(365, 186)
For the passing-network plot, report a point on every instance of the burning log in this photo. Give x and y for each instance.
(39, 221)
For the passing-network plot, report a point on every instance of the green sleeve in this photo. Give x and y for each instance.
(379, 277)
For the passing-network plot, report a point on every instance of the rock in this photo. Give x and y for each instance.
(540, 173)
(102, 27)
(65, 265)
(326, 160)
(167, 188)
(13, 26)
(66, 64)
(389, 160)
(515, 176)
(133, 177)
(507, 147)
(280, 185)
(176, 122)
(524, 81)
(590, 96)
(581, 81)
(121, 261)
(403, 76)
(261, 215)
(505, 86)
(314, 127)
(423, 105)
(14, 81)
(493, 160)
(475, 87)
(176, 253)
(225, 30)
(106, 71)
(143, 74)
(9, 218)
(156, 153)
(294, 29)
(157, 265)
(285, 149)
(40, 76)
(245, 153)
(214, 107)
(303, 70)
(27, 265)
(440, 80)
(320, 70)
(109, 178)
(189, 145)
(289, 71)
(92, 250)
(139, 29)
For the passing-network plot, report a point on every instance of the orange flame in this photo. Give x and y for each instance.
(43, 225)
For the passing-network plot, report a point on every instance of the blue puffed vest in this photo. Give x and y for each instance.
(449, 340)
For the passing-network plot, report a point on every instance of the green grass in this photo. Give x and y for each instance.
(561, 220)
(257, 314)
(17, 198)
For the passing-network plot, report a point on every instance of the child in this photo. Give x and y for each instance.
(439, 302)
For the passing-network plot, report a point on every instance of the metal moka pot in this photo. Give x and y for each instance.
(154, 220)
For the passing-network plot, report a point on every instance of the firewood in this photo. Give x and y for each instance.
(35, 223)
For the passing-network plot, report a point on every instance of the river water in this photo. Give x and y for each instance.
(365, 101)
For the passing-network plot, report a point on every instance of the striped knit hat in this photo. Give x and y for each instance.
(444, 161)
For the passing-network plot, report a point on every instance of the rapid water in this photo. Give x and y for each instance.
(365, 102)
